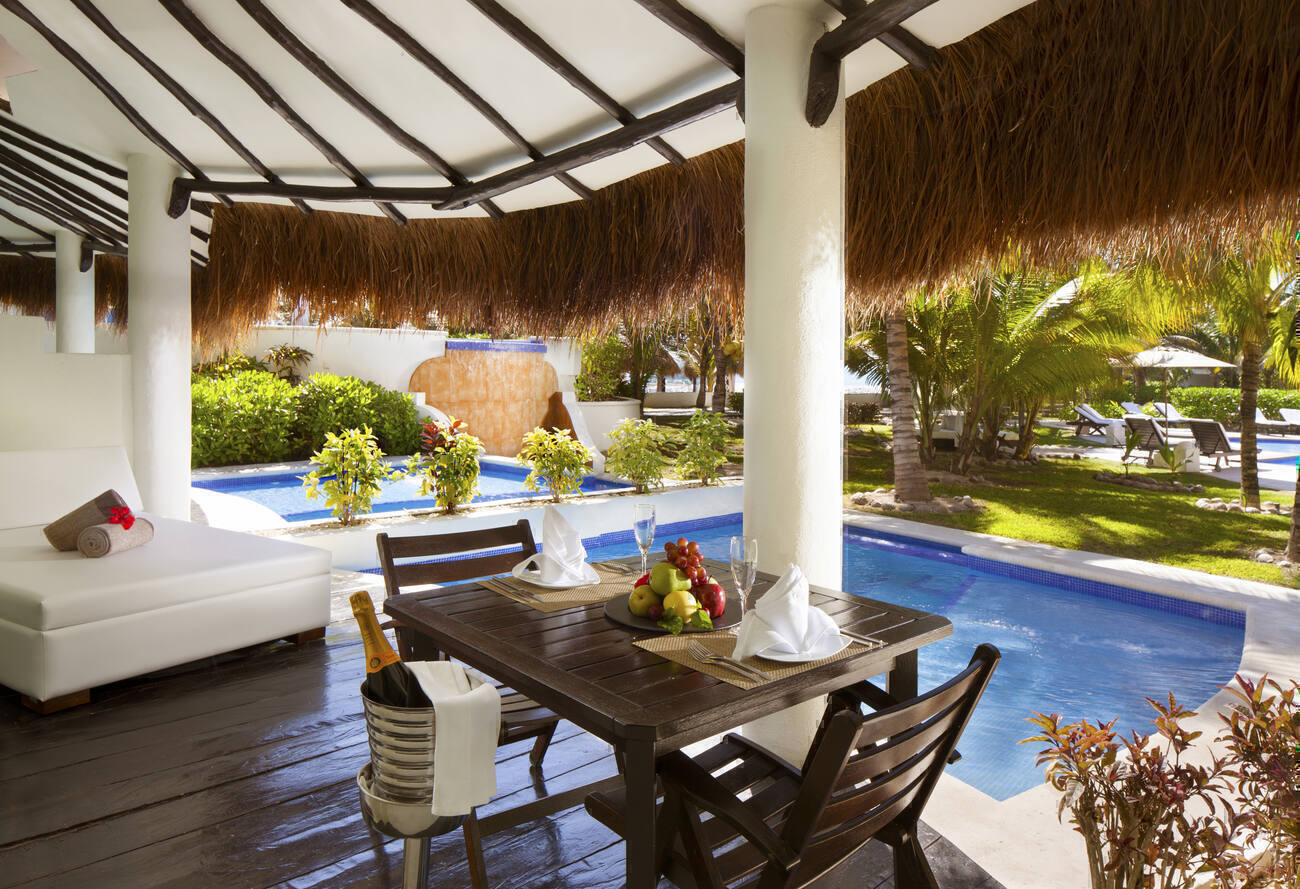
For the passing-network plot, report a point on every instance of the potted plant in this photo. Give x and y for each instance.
(597, 387)
(349, 474)
(447, 464)
(556, 462)
(635, 454)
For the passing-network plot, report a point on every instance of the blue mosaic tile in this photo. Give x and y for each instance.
(497, 346)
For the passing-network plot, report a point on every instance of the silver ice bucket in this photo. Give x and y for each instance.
(401, 751)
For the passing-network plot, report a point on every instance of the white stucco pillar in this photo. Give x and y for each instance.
(794, 323)
(74, 296)
(158, 334)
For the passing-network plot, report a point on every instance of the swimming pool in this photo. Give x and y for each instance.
(283, 493)
(1068, 646)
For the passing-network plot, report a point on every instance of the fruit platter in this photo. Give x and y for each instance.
(677, 595)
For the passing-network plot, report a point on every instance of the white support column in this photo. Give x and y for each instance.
(158, 334)
(794, 323)
(74, 296)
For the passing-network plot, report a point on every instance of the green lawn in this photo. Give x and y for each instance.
(1059, 503)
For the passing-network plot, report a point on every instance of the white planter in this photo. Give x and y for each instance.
(602, 416)
(675, 399)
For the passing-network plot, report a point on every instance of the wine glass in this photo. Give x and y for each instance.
(643, 527)
(744, 567)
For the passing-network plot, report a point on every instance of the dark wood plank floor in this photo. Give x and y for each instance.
(238, 773)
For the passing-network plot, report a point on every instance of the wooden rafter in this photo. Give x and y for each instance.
(56, 209)
(182, 189)
(88, 160)
(867, 23)
(912, 49)
(115, 98)
(625, 137)
(69, 190)
(421, 54)
(90, 248)
(44, 209)
(182, 95)
(306, 57)
(236, 63)
(547, 55)
(698, 31)
(23, 223)
(8, 246)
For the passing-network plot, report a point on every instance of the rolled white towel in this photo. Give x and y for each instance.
(106, 539)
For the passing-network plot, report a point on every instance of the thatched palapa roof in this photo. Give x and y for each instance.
(1068, 129)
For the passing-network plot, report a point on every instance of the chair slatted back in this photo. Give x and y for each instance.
(866, 771)
(1088, 413)
(486, 551)
(1150, 436)
(1211, 437)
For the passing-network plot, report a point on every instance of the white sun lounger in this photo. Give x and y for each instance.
(1132, 407)
(1169, 412)
(1264, 422)
(1291, 415)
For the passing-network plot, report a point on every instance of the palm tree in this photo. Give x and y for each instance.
(910, 484)
(1250, 297)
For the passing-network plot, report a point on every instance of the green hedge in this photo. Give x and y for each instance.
(245, 417)
(1224, 405)
(253, 416)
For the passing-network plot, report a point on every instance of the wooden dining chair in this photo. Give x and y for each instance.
(417, 561)
(865, 777)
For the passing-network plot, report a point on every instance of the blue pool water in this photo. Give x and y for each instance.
(1068, 646)
(284, 494)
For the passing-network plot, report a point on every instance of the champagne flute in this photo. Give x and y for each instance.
(643, 527)
(744, 567)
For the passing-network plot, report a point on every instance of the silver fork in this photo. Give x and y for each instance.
(702, 654)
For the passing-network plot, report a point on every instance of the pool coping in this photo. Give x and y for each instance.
(1020, 841)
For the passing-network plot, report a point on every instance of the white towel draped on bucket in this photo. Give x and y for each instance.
(563, 559)
(467, 719)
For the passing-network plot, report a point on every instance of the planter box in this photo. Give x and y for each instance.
(602, 416)
(674, 399)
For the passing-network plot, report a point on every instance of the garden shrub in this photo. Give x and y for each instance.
(349, 474)
(857, 413)
(704, 447)
(228, 364)
(556, 462)
(329, 403)
(1105, 408)
(736, 402)
(447, 464)
(244, 417)
(1224, 405)
(636, 453)
(603, 360)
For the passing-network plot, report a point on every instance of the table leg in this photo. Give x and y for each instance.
(639, 775)
(901, 683)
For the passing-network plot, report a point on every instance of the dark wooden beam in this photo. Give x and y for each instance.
(35, 151)
(72, 192)
(116, 99)
(236, 63)
(183, 189)
(625, 137)
(43, 209)
(8, 246)
(912, 49)
(304, 55)
(89, 248)
(421, 54)
(547, 55)
(40, 198)
(53, 144)
(868, 23)
(698, 31)
(23, 223)
(182, 95)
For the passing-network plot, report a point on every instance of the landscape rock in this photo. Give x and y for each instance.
(1253, 510)
(1264, 556)
(885, 501)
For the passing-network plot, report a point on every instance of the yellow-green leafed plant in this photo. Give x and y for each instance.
(635, 454)
(447, 463)
(704, 447)
(349, 474)
(556, 462)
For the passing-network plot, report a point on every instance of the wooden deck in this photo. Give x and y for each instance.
(238, 773)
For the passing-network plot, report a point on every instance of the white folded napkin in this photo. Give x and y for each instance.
(785, 623)
(563, 559)
(467, 720)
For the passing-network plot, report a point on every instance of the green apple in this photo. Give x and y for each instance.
(641, 599)
(666, 578)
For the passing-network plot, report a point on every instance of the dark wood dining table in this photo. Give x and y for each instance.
(584, 666)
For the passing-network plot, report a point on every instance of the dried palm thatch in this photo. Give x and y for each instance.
(1069, 129)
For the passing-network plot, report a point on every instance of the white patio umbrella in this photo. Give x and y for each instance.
(1169, 358)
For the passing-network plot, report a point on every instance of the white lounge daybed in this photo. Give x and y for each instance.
(68, 623)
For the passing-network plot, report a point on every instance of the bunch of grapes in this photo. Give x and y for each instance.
(686, 556)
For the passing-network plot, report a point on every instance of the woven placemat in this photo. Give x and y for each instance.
(613, 582)
(674, 649)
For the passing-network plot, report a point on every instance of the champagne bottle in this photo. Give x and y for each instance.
(388, 680)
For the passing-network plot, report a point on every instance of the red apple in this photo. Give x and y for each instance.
(713, 599)
(645, 578)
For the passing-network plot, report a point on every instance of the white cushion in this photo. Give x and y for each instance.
(37, 487)
(44, 589)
